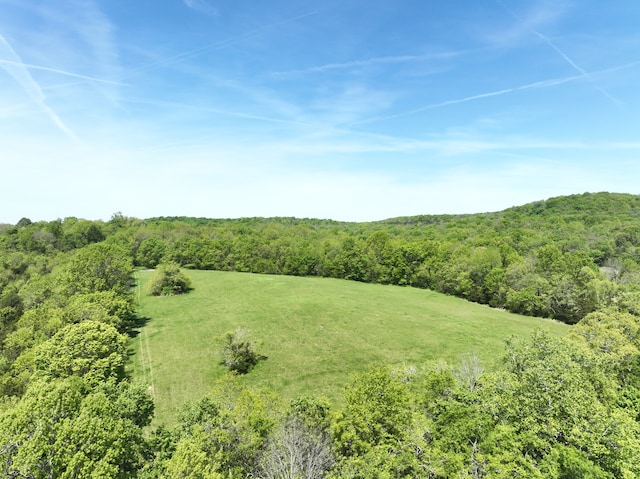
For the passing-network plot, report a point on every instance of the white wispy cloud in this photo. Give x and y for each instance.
(343, 143)
(61, 72)
(539, 84)
(349, 103)
(538, 15)
(75, 36)
(387, 60)
(68, 66)
(304, 176)
(99, 53)
(20, 73)
(576, 67)
(262, 97)
(202, 6)
(504, 91)
(231, 138)
(530, 27)
(195, 52)
(216, 111)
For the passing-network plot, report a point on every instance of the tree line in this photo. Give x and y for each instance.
(562, 258)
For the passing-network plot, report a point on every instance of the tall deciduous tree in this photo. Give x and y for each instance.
(296, 451)
(377, 411)
(90, 349)
(99, 267)
(66, 429)
(225, 431)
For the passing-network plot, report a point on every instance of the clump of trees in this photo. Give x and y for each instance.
(67, 408)
(169, 280)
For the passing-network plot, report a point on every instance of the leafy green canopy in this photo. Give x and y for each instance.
(69, 429)
(169, 280)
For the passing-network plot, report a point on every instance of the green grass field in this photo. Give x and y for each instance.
(315, 332)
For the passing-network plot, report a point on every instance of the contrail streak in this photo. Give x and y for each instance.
(61, 72)
(222, 43)
(528, 86)
(19, 72)
(370, 61)
(573, 64)
(557, 49)
(540, 84)
(218, 111)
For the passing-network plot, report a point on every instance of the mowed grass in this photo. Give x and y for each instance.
(315, 332)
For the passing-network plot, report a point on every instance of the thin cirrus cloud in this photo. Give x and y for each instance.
(560, 52)
(367, 62)
(20, 73)
(74, 42)
(538, 84)
(29, 66)
(186, 55)
(202, 6)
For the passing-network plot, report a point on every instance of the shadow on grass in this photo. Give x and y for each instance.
(243, 366)
(135, 324)
(133, 329)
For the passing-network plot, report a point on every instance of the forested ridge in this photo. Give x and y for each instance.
(558, 408)
(561, 258)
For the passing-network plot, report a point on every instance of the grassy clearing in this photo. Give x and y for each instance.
(316, 333)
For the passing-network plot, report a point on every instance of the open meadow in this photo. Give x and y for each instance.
(315, 332)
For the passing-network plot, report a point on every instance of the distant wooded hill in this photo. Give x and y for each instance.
(561, 258)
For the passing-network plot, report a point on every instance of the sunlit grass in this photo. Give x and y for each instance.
(315, 332)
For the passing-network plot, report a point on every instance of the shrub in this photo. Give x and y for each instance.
(238, 352)
(169, 280)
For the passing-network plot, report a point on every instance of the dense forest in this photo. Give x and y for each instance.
(558, 408)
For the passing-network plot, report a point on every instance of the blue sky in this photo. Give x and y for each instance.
(349, 110)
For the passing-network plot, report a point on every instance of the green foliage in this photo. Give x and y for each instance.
(65, 429)
(77, 234)
(103, 306)
(526, 259)
(556, 395)
(312, 412)
(150, 252)
(557, 408)
(377, 411)
(37, 290)
(90, 349)
(223, 433)
(99, 267)
(191, 460)
(238, 351)
(614, 337)
(23, 222)
(169, 280)
(475, 257)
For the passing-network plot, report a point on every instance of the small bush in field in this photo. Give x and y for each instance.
(238, 352)
(169, 280)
